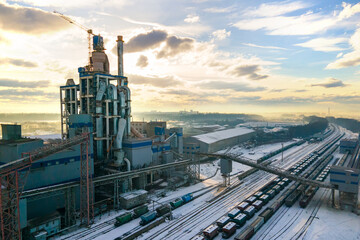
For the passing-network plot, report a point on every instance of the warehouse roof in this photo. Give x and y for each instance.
(221, 135)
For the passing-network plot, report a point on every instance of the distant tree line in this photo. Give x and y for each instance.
(315, 125)
(208, 118)
(350, 124)
(28, 117)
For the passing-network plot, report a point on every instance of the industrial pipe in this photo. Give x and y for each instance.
(119, 153)
(127, 109)
(99, 119)
(115, 107)
(128, 164)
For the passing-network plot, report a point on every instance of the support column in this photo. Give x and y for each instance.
(70, 217)
(333, 198)
(116, 194)
(86, 186)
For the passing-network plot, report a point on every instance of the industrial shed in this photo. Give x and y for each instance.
(215, 141)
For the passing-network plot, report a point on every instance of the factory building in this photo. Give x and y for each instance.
(45, 172)
(346, 176)
(348, 145)
(99, 105)
(215, 141)
(147, 129)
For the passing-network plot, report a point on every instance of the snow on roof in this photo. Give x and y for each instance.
(221, 135)
(229, 225)
(133, 194)
(211, 228)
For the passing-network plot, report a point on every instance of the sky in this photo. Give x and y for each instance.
(230, 56)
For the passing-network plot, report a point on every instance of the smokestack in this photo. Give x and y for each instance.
(120, 51)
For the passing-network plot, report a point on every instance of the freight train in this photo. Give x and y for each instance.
(255, 202)
(146, 216)
(128, 216)
(244, 211)
(312, 172)
(266, 157)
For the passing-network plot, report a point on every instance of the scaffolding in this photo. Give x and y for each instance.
(13, 178)
(12, 183)
(86, 186)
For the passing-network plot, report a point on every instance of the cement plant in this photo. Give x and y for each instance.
(109, 177)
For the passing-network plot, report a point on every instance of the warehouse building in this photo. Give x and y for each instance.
(215, 141)
(348, 145)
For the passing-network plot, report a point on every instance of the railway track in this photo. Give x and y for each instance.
(108, 226)
(177, 231)
(87, 232)
(311, 218)
(196, 219)
(296, 213)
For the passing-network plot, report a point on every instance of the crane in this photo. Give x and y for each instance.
(89, 31)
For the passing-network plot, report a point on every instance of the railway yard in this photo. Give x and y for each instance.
(256, 204)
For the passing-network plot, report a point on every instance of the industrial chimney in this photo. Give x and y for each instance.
(120, 51)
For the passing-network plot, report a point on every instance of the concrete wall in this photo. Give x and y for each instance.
(12, 151)
(138, 151)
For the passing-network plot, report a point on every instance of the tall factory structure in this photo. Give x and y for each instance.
(105, 98)
(102, 101)
(84, 170)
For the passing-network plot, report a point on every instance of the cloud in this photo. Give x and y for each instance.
(155, 81)
(323, 44)
(339, 55)
(349, 10)
(145, 41)
(74, 4)
(19, 95)
(331, 83)
(175, 45)
(249, 71)
(306, 24)
(192, 18)
(179, 92)
(275, 9)
(220, 10)
(17, 62)
(291, 100)
(3, 39)
(29, 20)
(142, 61)
(349, 59)
(265, 47)
(277, 90)
(281, 18)
(221, 34)
(23, 84)
(236, 86)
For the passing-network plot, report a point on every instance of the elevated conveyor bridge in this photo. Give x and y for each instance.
(272, 169)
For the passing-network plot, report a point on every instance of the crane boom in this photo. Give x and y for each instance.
(89, 31)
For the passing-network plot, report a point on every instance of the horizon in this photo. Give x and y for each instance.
(267, 116)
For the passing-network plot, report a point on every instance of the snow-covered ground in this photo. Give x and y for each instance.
(269, 124)
(317, 221)
(327, 223)
(47, 136)
(209, 169)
